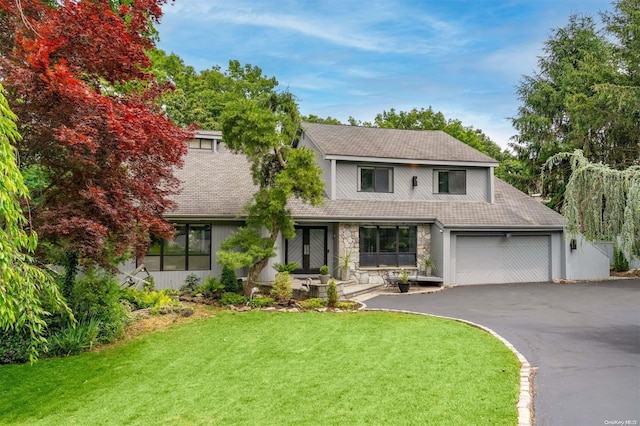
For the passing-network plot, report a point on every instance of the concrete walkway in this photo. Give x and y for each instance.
(583, 340)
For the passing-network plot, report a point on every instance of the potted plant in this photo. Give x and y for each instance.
(429, 265)
(324, 274)
(403, 281)
(345, 261)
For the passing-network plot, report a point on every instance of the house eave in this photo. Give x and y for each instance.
(359, 219)
(444, 163)
(378, 219)
(515, 228)
(203, 217)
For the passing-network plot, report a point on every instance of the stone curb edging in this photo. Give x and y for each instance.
(525, 400)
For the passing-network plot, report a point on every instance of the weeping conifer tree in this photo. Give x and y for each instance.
(600, 202)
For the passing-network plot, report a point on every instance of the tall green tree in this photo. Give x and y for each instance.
(26, 291)
(583, 96)
(311, 118)
(621, 97)
(200, 97)
(260, 122)
(264, 126)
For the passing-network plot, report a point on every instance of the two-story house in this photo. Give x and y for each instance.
(392, 198)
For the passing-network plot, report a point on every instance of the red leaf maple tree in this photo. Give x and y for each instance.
(76, 75)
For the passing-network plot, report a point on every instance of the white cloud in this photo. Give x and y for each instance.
(311, 81)
(378, 29)
(513, 60)
(349, 58)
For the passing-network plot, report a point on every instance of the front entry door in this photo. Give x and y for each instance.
(308, 249)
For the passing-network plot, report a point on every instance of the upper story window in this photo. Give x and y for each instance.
(450, 182)
(201, 143)
(375, 179)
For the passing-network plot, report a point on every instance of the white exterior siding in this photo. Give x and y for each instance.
(477, 187)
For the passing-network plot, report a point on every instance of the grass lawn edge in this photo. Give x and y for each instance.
(516, 415)
(525, 400)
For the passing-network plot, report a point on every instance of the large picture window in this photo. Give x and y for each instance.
(190, 250)
(388, 246)
(450, 182)
(375, 179)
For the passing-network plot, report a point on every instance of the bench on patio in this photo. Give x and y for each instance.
(423, 279)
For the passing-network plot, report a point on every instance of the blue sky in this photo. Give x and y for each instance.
(359, 58)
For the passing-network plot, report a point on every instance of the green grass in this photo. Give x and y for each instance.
(266, 368)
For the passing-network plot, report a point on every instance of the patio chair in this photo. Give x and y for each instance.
(390, 279)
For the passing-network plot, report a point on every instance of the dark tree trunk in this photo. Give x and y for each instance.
(70, 271)
(257, 267)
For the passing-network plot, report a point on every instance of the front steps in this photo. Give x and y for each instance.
(347, 290)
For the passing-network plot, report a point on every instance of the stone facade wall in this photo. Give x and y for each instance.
(424, 244)
(349, 242)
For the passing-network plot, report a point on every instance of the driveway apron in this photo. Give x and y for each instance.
(583, 340)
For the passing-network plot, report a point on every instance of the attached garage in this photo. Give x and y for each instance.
(505, 258)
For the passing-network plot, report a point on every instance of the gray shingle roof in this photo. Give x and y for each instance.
(511, 209)
(218, 185)
(391, 143)
(214, 185)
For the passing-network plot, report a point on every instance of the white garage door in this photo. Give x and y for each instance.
(498, 259)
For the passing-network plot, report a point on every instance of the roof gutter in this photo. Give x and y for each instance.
(203, 217)
(342, 219)
(411, 161)
(477, 228)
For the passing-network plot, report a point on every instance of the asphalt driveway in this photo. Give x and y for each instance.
(582, 339)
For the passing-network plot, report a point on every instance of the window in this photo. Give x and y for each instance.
(388, 246)
(375, 179)
(201, 143)
(450, 182)
(190, 250)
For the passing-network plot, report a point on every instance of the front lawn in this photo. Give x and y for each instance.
(269, 368)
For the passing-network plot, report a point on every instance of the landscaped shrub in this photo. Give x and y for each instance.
(229, 279)
(147, 299)
(190, 283)
(14, 346)
(233, 299)
(73, 340)
(332, 294)
(211, 287)
(137, 299)
(98, 296)
(149, 284)
(313, 303)
(346, 305)
(261, 302)
(620, 262)
(285, 267)
(282, 289)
